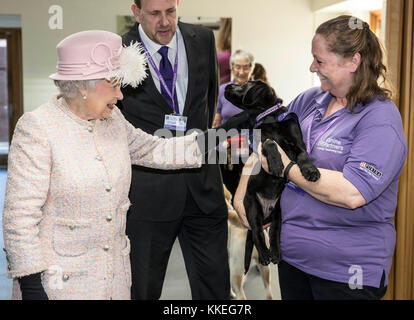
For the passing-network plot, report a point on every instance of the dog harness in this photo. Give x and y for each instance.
(259, 118)
(264, 118)
(282, 117)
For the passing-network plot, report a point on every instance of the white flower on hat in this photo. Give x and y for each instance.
(132, 66)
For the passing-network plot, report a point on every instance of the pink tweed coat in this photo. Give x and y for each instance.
(67, 198)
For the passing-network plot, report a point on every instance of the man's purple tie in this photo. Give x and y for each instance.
(168, 75)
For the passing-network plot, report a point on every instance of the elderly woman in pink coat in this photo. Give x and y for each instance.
(69, 176)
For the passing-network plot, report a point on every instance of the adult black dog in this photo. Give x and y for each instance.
(261, 201)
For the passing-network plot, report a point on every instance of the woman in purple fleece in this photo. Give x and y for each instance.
(338, 235)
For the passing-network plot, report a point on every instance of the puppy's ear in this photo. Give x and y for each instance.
(260, 96)
(277, 99)
(253, 93)
(234, 94)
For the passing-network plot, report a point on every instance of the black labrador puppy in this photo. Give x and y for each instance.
(263, 190)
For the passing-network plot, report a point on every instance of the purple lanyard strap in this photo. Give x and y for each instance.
(161, 78)
(309, 146)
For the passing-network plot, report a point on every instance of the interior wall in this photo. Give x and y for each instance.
(10, 21)
(320, 4)
(39, 41)
(277, 32)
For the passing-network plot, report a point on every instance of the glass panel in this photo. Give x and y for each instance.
(4, 100)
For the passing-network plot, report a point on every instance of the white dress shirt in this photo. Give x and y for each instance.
(182, 77)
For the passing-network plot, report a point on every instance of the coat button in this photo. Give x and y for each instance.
(109, 218)
(90, 129)
(108, 188)
(106, 247)
(65, 277)
(99, 158)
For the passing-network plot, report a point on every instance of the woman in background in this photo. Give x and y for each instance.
(242, 64)
(224, 50)
(259, 73)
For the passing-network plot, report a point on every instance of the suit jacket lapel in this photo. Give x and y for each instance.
(191, 48)
(148, 84)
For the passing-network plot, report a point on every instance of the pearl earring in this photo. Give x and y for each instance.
(84, 97)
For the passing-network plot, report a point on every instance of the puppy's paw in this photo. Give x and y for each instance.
(275, 167)
(274, 160)
(264, 257)
(275, 255)
(268, 146)
(310, 173)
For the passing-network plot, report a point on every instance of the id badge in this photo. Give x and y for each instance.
(175, 122)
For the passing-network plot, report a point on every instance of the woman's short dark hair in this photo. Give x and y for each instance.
(259, 73)
(346, 36)
(224, 36)
(138, 3)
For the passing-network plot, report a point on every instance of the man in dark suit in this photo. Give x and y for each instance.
(187, 203)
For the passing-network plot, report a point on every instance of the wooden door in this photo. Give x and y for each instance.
(11, 87)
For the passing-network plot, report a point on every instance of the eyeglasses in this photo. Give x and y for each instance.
(239, 67)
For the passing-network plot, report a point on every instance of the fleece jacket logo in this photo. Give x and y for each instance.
(371, 170)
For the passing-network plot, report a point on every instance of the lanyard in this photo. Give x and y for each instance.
(309, 146)
(161, 78)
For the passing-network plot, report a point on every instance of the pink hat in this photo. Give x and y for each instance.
(98, 54)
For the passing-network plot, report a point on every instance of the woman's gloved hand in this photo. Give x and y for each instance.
(31, 287)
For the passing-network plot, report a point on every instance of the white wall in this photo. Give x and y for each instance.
(277, 32)
(39, 42)
(320, 4)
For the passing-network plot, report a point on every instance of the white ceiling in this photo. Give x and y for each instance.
(354, 5)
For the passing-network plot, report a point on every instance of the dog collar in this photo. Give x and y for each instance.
(266, 113)
(282, 117)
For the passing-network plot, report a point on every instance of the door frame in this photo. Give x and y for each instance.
(15, 77)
